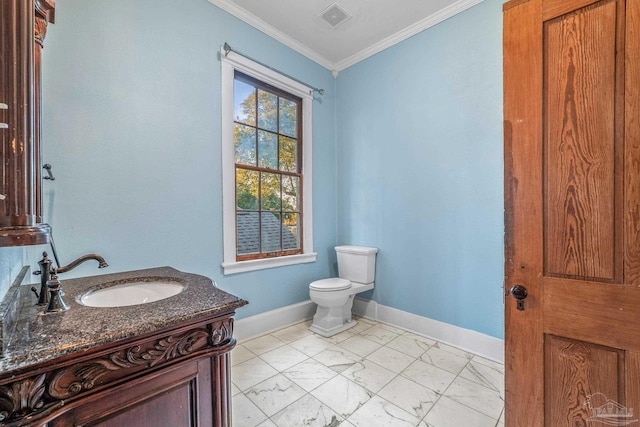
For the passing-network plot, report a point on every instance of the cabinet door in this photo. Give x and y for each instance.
(178, 396)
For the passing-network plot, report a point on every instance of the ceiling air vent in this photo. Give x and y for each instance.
(335, 15)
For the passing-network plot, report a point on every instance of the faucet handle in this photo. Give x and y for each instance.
(56, 304)
(43, 263)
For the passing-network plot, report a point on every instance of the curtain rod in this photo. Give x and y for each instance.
(228, 49)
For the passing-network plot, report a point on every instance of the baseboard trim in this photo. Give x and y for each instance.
(466, 339)
(263, 323)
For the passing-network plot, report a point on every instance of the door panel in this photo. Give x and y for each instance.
(572, 212)
(575, 372)
(579, 143)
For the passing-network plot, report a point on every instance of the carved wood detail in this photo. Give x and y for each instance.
(45, 10)
(76, 379)
(164, 350)
(221, 332)
(21, 398)
(40, 30)
(38, 394)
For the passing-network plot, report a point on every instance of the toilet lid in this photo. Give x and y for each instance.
(333, 284)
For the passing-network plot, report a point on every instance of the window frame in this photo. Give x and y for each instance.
(261, 86)
(230, 63)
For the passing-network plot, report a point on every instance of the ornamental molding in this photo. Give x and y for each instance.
(73, 380)
(22, 398)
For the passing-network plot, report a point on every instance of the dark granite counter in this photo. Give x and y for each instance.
(40, 337)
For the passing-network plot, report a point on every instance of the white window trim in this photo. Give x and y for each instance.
(231, 62)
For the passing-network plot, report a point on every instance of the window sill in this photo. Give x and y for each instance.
(261, 264)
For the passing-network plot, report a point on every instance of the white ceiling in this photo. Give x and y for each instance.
(375, 24)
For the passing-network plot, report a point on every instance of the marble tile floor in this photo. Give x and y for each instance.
(372, 375)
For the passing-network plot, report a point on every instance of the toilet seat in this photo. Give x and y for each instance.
(333, 284)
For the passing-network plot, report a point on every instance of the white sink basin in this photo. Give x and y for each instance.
(131, 293)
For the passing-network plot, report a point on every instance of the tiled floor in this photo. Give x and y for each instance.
(372, 375)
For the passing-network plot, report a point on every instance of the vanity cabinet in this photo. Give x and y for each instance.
(178, 376)
(23, 25)
(178, 396)
(160, 363)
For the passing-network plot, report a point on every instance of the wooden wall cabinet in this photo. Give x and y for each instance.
(23, 25)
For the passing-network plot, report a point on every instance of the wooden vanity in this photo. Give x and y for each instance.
(164, 363)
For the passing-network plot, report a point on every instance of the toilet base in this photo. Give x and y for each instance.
(333, 331)
(333, 312)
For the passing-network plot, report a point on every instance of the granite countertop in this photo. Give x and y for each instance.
(40, 337)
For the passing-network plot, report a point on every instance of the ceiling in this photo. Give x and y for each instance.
(371, 25)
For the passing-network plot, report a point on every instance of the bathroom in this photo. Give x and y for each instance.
(407, 157)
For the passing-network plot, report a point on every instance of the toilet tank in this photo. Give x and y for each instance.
(357, 263)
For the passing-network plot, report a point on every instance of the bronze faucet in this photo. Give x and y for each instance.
(73, 264)
(50, 292)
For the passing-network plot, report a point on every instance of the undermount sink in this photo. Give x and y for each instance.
(131, 293)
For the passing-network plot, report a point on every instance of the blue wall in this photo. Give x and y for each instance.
(420, 169)
(407, 153)
(131, 125)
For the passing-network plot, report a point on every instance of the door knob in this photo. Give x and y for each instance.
(520, 293)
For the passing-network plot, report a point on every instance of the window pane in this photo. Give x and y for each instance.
(288, 154)
(267, 111)
(288, 117)
(270, 187)
(244, 98)
(290, 193)
(290, 233)
(247, 189)
(248, 226)
(267, 150)
(271, 230)
(244, 138)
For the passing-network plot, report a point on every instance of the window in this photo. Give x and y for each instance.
(266, 162)
(268, 150)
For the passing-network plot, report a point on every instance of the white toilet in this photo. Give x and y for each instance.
(334, 297)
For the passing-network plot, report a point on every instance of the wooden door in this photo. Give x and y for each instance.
(572, 217)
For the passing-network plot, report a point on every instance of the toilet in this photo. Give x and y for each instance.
(334, 297)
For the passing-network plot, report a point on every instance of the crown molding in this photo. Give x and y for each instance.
(257, 23)
(230, 7)
(428, 22)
